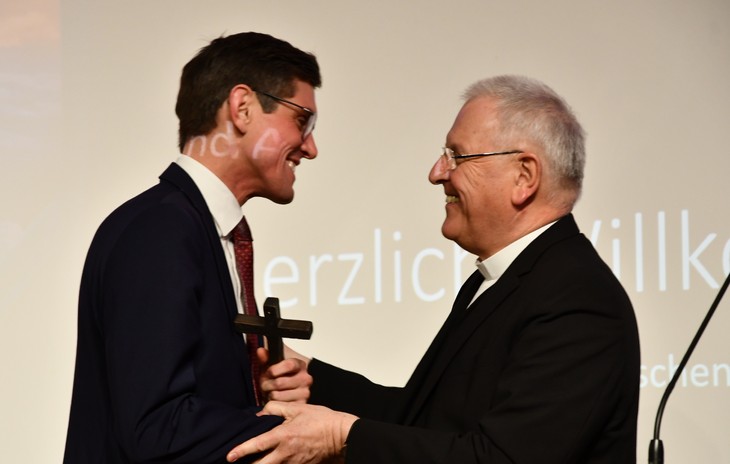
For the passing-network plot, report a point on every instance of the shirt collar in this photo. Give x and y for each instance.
(223, 206)
(493, 267)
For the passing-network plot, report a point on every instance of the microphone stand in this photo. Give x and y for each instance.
(656, 447)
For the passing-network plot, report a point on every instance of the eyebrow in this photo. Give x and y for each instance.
(455, 147)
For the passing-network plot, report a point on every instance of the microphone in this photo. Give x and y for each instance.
(656, 447)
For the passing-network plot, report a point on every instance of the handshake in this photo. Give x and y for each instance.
(309, 434)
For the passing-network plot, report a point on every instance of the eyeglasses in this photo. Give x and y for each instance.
(450, 156)
(311, 116)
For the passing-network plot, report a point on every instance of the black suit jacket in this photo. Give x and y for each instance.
(161, 376)
(542, 368)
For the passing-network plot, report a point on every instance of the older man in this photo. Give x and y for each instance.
(538, 361)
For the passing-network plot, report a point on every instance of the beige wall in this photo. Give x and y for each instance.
(648, 80)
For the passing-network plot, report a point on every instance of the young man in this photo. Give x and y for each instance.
(161, 375)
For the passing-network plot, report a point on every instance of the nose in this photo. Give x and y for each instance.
(439, 172)
(309, 147)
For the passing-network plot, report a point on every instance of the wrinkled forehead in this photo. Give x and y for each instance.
(476, 120)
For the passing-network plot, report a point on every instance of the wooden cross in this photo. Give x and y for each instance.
(274, 328)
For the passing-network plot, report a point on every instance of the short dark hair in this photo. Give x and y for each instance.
(263, 62)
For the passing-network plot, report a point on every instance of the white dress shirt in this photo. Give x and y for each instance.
(224, 208)
(493, 267)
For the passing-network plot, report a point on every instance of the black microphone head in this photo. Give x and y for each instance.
(656, 452)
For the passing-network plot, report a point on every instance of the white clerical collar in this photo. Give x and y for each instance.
(494, 266)
(223, 206)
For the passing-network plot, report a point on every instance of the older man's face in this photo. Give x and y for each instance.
(478, 190)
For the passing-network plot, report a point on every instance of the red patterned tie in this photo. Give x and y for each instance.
(243, 247)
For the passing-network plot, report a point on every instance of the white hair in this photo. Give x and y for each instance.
(528, 110)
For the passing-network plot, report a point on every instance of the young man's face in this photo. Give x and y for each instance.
(276, 145)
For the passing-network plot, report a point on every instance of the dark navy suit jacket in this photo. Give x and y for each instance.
(542, 368)
(161, 376)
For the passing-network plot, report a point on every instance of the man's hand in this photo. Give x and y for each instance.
(310, 434)
(287, 380)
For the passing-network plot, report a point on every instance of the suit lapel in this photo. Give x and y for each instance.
(462, 322)
(454, 334)
(424, 367)
(178, 177)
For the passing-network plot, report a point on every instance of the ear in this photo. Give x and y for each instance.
(241, 103)
(527, 179)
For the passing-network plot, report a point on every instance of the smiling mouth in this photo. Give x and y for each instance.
(452, 199)
(292, 165)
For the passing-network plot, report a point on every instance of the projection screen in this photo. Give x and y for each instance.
(87, 92)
